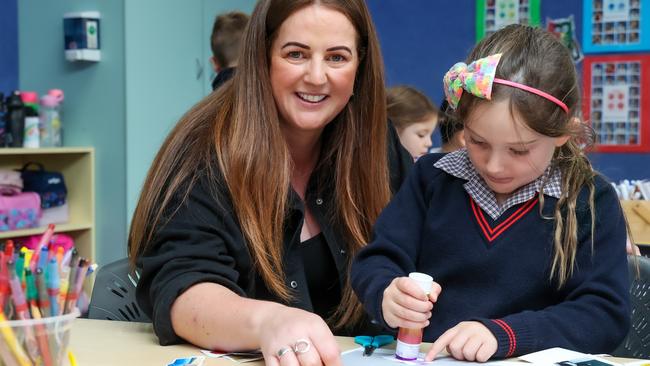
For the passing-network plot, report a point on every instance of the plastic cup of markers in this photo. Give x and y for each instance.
(36, 341)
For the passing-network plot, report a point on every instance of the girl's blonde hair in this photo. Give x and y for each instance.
(237, 128)
(534, 57)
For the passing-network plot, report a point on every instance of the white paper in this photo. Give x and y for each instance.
(386, 357)
(565, 357)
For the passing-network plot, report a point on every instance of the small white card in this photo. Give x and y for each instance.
(565, 357)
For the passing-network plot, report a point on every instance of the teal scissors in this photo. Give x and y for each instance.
(371, 343)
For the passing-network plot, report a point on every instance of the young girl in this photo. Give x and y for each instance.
(525, 241)
(414, 118)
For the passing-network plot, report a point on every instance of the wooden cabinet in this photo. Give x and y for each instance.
(78, 169)
(637, 214)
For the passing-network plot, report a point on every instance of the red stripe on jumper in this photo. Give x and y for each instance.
(493, 233)
(511, 336)
(480, 223)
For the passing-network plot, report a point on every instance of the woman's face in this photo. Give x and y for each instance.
(314, 61)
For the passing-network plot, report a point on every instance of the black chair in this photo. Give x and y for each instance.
(113, 295)
(637, 342)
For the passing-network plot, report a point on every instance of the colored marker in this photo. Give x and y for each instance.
(9, 249)
(75, 286)
(52, 281)
(12, 342)
(42, 260)
(4, 281)
(41, 243)
(20, 263)
(43, 298)
(74, 267)
(22, 312)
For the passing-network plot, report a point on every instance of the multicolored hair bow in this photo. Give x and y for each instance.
(478, 77)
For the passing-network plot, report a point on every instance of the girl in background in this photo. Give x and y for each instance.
(529, 252)
(414, 117)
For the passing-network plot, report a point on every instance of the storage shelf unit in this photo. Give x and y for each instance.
(78, 169)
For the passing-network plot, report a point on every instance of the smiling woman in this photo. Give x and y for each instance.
(264, 190)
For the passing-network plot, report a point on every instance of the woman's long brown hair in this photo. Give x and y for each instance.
(534, 57)
(239, 128)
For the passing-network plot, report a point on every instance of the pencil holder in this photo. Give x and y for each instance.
(36, 341)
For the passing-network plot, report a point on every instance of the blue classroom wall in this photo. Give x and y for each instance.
(421, 39)
(8, 46)
(94, 107)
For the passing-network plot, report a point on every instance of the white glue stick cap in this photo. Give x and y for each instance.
(423, 280)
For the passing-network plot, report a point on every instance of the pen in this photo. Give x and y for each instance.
(42, 260)
(52, 280)
(9, 249)
(6, 355)
(11, 341)
(74, 263)
(22, 313)
(43, 298)
(20, 263)
(41, 333)
(41, 243)
(72, 359)
(59, 257)
(72, 297)
(4, 280)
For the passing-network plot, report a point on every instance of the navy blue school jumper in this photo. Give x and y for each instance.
(494, 267)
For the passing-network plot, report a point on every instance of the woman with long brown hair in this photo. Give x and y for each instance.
(265, 190)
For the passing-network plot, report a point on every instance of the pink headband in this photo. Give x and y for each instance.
(478, 77)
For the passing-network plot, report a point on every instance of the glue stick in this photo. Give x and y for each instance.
(409, 339)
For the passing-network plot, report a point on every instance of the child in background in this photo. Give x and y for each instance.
(225, 39)
(529, 251)
(414, 118)
(451, 130)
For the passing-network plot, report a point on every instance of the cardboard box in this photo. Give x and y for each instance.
(638, 217)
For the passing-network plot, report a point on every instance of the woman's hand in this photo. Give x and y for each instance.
(406, 305)
(468, 341)
(291, 337)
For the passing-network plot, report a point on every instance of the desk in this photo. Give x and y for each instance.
(111, 343)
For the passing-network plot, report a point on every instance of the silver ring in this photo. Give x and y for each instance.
(302, 346)
(284, 351)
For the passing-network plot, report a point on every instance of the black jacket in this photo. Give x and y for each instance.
(223, 76)
(203, 242)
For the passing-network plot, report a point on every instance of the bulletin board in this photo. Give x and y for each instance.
(615, 26)
(492, 15)
(617, 101)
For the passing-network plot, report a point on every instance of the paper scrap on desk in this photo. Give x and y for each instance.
(565, 357)
(241, 357)
(187, 361)
(386, 357)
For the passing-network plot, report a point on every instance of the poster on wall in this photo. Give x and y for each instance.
(565, 30)
(615, 102)
(492, 15)
(615, 26)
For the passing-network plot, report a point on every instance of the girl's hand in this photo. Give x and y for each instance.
(406, 305)
(286, 332)
(468, 341)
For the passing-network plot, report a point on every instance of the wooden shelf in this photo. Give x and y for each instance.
(78, 168)
(636, 214)
(60, 228)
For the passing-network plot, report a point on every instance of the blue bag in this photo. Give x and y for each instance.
(50, 186)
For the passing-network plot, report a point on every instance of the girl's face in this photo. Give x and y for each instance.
(314, 61)
(416, 137)
(505, 152)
